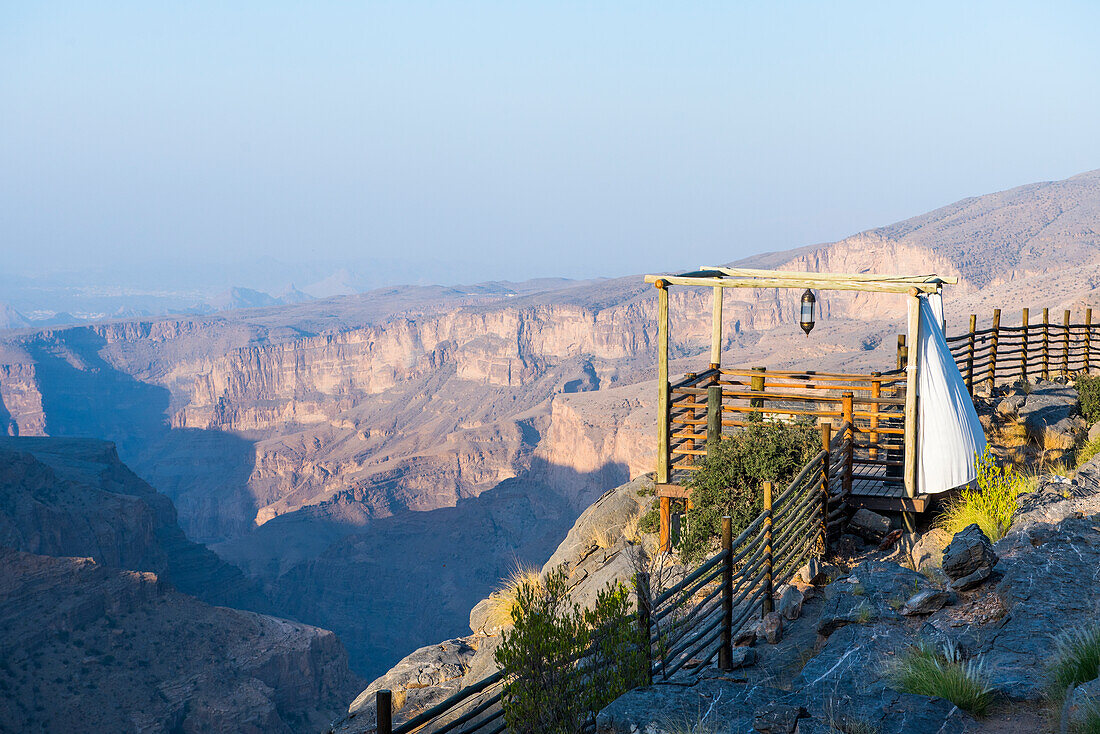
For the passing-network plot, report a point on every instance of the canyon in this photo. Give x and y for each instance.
(375, 463)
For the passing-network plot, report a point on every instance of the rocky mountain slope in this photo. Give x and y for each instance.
(74, 497)
(287, 436)
(97, 633)
(95, 649)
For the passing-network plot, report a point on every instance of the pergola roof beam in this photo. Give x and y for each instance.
(880, 286)
(799, 275)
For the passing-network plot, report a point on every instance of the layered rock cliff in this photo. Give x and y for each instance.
(284, 434)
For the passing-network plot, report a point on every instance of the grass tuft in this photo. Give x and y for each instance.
(991, 505)
(632, 528)
(1087, 720)
(604, 537)
(504, 600)
(1076, 660)
(925, 671)
(1088, 451)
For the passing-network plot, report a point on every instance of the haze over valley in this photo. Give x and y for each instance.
(393, 454)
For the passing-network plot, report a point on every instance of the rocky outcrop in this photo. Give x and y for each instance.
(90, 648)
(74, 497)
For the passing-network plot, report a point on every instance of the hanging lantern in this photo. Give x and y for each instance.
(807, 321)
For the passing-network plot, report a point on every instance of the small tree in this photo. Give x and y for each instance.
(730, 482)
(552, 685)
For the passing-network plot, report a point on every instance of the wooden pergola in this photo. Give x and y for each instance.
(720, 278)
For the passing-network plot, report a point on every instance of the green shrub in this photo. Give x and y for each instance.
(990, 505)
(732, 476)
(1076, 660)
(1088, 392)
(546, 690)
(925, 671)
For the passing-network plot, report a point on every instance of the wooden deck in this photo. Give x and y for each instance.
(871, 488)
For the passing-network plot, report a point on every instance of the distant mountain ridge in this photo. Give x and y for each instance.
(286, 434)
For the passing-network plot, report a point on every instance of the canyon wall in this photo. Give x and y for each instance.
(308, 443)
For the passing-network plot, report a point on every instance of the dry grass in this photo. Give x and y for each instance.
(604, 537)
(503, 601)
(632, 528)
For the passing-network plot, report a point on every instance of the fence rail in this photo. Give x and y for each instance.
(1033, 349)
(695, 621)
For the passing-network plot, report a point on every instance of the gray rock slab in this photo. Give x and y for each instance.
(968, 553)
(1050, 585)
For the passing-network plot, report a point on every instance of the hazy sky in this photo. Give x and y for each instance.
(470, 141)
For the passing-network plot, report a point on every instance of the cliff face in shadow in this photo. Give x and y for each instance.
(385, 585)
(111, 620)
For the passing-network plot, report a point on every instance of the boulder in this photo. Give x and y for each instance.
(428, 675)
(790, 601)
(869, 525)
(928, 601)
(969, 558)
(1094, 432)
(771, 628)
(1008, 406)
(742, 657)
(1084, 699)
(927, 551)
(1047, 405)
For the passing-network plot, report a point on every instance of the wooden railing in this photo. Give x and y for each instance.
(695, 621)
(702, 405)
(1031, 350)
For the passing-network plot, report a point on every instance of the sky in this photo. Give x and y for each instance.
(459, 142)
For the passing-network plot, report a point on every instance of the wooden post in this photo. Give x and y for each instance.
(1023, 360)
(911, 375)
(1046, 343)
(902, 352)
(826, 439)
(756, 384)
(663, 455)
(768, 605)
(716, 329)
(714, 417)
(850, 439)
(665, 537)
(643, 601)
(995, 339)
(1088, 337)
(1065, 345)
(970, 355)
(876, 393)
(383, 706)
(725, 652)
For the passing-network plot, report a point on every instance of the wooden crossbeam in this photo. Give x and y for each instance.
(855, 277)
(832, 285)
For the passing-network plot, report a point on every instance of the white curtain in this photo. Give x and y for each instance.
(948, 431)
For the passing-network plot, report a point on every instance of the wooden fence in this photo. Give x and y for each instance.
(695, 621)
(1031, 350)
